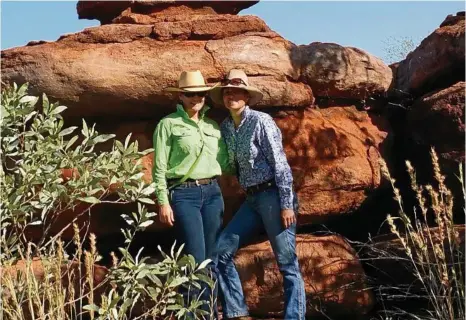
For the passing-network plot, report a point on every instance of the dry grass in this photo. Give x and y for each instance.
(435, 253)
(50, 285)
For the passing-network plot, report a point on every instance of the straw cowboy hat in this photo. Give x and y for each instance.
(191, 81)
(236, 79)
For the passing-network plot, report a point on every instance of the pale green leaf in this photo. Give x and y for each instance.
(71, 142)
(92, 200)
(102, 138)
(91, 307)
(146, 223)
(146, 200)
(128, 137)
(30, 100)
(45, 104)
(85, 129)
(149, 190)
(58, 110)
(67, 131)
(178, 281)
(204, 264)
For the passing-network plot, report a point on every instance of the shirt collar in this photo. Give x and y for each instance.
(244, 115)
(180, 110)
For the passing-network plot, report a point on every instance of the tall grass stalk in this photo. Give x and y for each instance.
(435, 251)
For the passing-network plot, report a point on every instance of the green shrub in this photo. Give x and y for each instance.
(35, 149)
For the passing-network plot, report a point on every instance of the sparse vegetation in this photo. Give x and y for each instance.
(428, 247)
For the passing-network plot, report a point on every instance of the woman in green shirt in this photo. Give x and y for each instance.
(189, 156)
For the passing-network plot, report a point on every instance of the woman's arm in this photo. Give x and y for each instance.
(272, 146)
(161, 141)
(227, 166)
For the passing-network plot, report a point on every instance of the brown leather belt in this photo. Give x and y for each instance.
(260, 187)
(192, 182)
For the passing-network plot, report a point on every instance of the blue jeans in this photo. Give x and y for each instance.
(258, 212)
(198, 213)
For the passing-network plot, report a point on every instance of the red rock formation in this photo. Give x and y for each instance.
(438, 62)
(106, 11)
(333, 153)
(209, 27)
(451, 20)
(121, 67)
(115, 74)
(343, 72)
(333, 276)
(127, 64)
(334, 156)
(437, 119)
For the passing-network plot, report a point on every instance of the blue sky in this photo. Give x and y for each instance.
(370, 26)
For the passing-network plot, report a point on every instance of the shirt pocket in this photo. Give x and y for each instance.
(211, 140)
(184, 139)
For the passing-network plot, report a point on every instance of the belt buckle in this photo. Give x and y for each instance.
(197, 182)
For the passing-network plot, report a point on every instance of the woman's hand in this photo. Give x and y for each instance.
(288, 217)
(166, 215)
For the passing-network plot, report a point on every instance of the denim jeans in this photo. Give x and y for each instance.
(258, 212)
(198, 212)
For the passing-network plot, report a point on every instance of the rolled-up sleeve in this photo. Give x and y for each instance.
(272, 146)
(161, 141)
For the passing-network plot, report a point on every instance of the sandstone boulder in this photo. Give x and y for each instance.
(437, 62)
(333, 154)
(106, 11)
(451, 19)
(343, 72)
(208, 27)
(109, 70)
(437, 119)
(333, 276)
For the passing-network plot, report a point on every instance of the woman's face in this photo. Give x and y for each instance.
(193, 100)
(235, 98)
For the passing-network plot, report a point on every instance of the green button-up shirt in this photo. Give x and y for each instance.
(178, 142)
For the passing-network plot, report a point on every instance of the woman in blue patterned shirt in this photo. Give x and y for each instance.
(255, 151)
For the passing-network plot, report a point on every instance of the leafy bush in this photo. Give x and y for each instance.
(40, 279)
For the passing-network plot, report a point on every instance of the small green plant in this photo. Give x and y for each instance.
(150, 290)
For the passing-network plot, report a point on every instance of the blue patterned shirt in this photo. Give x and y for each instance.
(256, 146)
